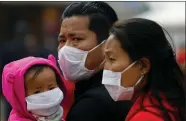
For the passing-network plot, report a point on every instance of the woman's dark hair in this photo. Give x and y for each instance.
(142, 38)
(101, 16)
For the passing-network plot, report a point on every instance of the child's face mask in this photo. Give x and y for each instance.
(45, 103)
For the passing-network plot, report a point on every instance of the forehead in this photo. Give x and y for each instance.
(46, 75)
(75, 24)
(112, 43)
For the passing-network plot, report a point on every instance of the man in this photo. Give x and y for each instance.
(84, 27)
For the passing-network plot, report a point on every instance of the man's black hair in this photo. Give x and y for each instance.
(100, 14)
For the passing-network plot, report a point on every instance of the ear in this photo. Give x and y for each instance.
(52, 58)
(145, 65)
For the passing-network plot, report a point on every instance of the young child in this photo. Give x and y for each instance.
(34, 87)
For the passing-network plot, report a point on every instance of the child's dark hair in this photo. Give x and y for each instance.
(39, 68)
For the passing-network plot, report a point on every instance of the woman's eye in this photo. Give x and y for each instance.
(77, 39)
(36, 92)
(111, 59)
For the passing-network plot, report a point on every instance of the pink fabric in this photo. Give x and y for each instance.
(13, 85)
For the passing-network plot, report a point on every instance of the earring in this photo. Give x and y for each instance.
(143, 73)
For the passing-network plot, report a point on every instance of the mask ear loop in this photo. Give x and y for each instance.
(103, 60)
(139, 80)
(98, 66)
(129, 66)
(142, 75)
(98, 45)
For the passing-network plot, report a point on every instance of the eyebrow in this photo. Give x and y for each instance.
(110, 52)
(61, 36)
(38, 87)
(50, 84)
(72, 34)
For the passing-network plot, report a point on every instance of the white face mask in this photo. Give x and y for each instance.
(45, 103)
(112, 82)
(72, 63)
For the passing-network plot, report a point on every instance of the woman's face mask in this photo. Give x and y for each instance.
(74, 62)
(112, 82)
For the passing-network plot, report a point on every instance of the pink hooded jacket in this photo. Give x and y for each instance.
(13, 85)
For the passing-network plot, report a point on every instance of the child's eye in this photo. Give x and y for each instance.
(36, 92)
(51, 88)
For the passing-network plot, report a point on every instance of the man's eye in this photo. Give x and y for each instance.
(62, 41)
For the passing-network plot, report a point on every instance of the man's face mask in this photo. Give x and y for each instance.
(74, 62)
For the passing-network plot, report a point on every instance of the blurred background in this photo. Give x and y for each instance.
(31, 28)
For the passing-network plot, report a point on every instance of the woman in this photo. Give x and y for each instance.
(140, 66)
